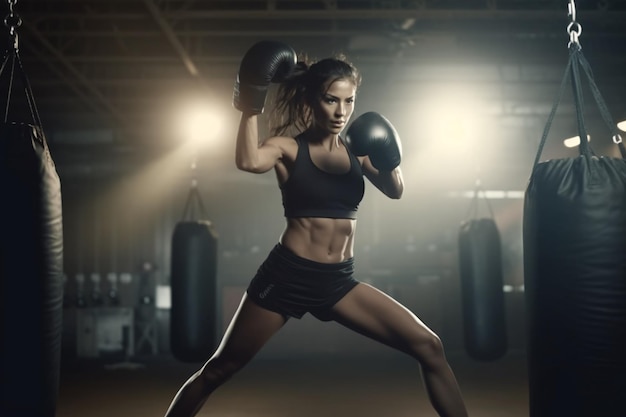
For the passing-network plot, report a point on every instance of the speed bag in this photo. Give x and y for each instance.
(193, 323)
(31, 273)
(480, 263)
(575, 285)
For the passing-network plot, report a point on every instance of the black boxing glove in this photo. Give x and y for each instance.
(265, 62)
(373, 135)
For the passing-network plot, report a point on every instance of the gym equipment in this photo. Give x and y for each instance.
(31, 256)
(113, 293)
(264, 63)
(480, 270)
(193, 323)
(81, 300)
(373, 135)
(96, 296)
(575, 268)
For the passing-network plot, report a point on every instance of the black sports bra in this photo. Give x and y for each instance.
(312, 192)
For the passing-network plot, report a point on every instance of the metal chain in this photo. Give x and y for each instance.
(13, 21)
(573, 28)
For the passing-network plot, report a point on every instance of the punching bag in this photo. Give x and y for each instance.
(31, 258)
(484, 316)
(575, 275)
(31, 268)
(193, 323)
(480, 271)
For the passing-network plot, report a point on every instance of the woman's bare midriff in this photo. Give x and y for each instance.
(320, 239)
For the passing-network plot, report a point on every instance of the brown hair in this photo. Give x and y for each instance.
(305, 85)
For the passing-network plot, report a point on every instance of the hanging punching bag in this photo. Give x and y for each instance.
(31, 273)
(31, 259)
(575, 277)
(480, 263)
(193, 324)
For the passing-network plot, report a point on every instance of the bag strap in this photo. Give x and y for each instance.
(604, 111)
(191, 210)
(579, 103)
(575, 62)
(473, 208)
(12, 55)
(555, 106)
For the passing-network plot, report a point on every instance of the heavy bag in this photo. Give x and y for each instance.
(575, 281)
(480, 263)
(31, 268)
(193, 323)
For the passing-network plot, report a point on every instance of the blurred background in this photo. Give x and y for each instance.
(135, 99)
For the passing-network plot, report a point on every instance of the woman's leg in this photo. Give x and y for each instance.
(378, 316)
(248, 331)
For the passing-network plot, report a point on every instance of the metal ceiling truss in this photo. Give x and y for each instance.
(111, 54)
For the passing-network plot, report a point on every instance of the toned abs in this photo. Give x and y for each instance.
(320, 239)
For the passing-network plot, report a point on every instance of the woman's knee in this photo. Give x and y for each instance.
(428, 349)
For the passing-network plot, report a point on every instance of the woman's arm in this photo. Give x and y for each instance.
(391, 183)
(250, 155)
(375, 140)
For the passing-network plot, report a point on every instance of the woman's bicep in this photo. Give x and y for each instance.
(267, 155)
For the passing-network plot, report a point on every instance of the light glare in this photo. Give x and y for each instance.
(574, 141)
(200, 124)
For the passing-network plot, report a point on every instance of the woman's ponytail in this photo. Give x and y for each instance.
(290, 109)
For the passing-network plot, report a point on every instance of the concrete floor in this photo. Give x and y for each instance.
(331, 385)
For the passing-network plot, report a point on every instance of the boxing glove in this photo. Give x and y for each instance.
(265, 62)
(373, 135)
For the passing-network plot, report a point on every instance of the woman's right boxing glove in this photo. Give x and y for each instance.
(265, 62)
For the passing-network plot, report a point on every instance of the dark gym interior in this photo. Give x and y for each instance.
(135, 99)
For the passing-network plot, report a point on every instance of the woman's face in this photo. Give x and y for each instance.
(335, 106)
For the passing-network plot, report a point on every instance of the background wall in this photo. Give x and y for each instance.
(468, 85)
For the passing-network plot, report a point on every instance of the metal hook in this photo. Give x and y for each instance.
(571, 10)
(13, 21)
(617, 139)
(573, 28)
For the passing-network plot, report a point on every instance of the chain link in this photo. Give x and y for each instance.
(13, 21)
(573, 28)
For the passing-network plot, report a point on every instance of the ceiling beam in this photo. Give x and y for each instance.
(353, 14)
(169, 33)
(86, 83)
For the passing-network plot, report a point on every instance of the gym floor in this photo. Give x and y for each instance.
(331, 385)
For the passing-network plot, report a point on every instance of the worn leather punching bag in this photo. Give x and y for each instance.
(193, 321)
(575, 277)
(31, 274)
(484, 315)
(31, 257)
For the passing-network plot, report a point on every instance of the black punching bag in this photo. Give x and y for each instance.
(193, 323)
(480, 263)
(31, 273)
(575, 279)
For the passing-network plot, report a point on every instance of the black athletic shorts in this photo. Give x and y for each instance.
(292, 286)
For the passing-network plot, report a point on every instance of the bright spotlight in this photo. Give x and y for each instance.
(574, 141)
(454, 119)
(200, 124)
(622, 125)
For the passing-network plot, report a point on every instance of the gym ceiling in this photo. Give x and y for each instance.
(113, 65)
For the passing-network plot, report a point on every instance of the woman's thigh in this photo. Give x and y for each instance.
(375, 314)
(250, 328)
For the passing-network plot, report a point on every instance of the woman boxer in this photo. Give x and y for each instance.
(320, 175)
